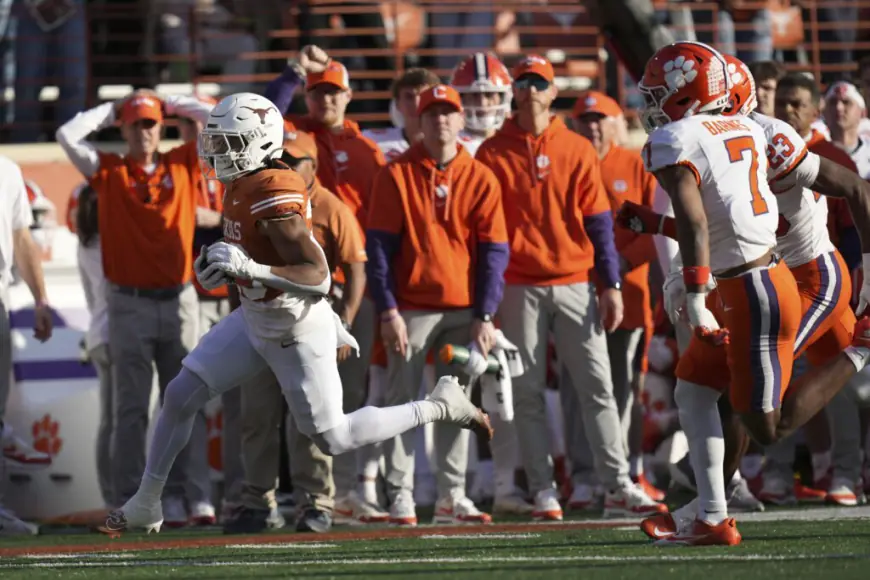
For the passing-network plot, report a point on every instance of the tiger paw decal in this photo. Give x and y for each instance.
(46, 437)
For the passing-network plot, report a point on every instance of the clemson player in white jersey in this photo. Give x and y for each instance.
(285, 323)
(802, 236)
(484, 84)
(701, 159)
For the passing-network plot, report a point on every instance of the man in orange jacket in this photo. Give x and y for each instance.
(437, 249)
(560, 219)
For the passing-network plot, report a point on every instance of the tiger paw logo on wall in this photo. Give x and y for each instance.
(46, 436)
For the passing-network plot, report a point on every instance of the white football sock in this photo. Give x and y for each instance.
(185, 395)
(699, 417)
(373, 425)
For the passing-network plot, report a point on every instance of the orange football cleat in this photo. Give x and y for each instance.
(659, 526)
(700, 533)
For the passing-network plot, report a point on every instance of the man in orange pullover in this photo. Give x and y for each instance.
(437, 249)
(561, 224)
(596, 117)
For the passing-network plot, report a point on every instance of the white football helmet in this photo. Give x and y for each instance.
(244, 131)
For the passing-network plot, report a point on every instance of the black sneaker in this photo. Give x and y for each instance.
(247, 521)
(314, 520)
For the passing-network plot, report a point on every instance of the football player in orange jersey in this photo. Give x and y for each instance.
(285, 323)
(484, 84)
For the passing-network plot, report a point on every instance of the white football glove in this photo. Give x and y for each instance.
(232, 260)
(208, 275)
(864, 296)
(674, 291)
(698, 313)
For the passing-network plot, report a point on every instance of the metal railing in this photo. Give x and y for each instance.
(126, 47)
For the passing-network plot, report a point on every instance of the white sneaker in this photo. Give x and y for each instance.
(136, 513)
(174, 512)
(403, 511)
(631, 501)
(10, 525)
(547, 506)
(458, 407)
(20, 453)
(582, 497)
(842, 492)
(514, 504)
(202, 514)
(459, 510)
(354, 510)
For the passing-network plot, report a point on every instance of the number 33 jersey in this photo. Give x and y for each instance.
(802, 234)
(727, 156)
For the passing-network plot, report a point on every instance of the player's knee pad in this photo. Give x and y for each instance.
(335, 441)
(185, 395)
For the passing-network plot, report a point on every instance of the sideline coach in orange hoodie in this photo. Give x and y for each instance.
(437, 248)
(561, 228)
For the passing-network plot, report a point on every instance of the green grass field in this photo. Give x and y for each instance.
(781, 544)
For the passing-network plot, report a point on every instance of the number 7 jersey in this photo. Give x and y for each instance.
(727, 156)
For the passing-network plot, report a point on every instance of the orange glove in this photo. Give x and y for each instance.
(718, 337)
(642, 220)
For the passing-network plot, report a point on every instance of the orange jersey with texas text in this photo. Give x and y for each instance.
(264, 195)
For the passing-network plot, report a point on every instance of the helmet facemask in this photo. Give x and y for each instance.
(226, 155)
(484, 119)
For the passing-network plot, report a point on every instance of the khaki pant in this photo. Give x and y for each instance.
(570, 312)
(310, 469)
(622, 349)
(144, 333)
(427, 330)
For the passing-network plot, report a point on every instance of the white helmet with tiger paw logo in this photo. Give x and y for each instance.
(244, 131)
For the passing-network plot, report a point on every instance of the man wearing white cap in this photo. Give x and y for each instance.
(844, 115)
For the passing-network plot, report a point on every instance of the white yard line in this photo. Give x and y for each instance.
(480, 536)
(685, 557)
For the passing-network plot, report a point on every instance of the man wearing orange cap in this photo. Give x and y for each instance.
(596, 116)
(146, 212)
(346, 160)
(437, 249)
(562, 233)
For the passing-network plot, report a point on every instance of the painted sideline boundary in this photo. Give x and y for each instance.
(103, 543)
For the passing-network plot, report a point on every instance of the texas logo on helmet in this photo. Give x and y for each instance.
(261, 112)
